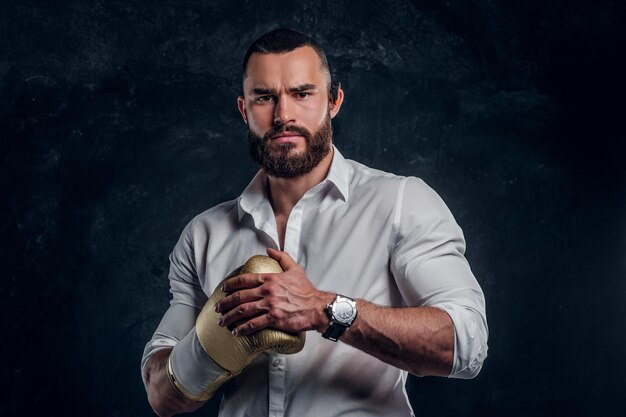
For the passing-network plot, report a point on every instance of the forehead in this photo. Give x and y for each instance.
(273, 70)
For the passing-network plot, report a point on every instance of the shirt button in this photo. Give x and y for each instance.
(276, 363)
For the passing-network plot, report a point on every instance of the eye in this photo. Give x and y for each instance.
(265, 99)
(302, 94)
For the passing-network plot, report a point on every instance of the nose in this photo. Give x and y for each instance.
(283, 112)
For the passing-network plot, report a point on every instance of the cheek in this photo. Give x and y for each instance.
(260, 117)
(315, 114)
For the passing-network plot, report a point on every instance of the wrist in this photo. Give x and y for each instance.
(322, 319)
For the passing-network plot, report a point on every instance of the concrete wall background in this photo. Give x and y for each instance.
(118, 123)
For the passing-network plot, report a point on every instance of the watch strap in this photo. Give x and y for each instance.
(334, 331)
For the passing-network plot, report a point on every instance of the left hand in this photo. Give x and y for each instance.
(286, 301)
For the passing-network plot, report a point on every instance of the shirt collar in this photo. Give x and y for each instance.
(339, 173)
(254, 197)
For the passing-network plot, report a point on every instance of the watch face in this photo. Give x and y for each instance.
(343, 311)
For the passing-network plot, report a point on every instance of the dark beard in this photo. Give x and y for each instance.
(280, 164)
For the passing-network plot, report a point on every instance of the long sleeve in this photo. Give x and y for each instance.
(430, 269)
(188, 298)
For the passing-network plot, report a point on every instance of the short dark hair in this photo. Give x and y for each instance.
(286, 40)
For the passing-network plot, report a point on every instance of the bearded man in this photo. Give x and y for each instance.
(371, 265)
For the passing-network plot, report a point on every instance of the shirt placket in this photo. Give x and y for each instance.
(277, 385)
(278, 362)
(293, 230)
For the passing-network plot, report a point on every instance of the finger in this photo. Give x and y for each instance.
(238, 297)
(243, 281)
(253, 325)
(239, 314)
(283, 258)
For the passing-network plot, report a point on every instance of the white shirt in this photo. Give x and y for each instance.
(361, 232)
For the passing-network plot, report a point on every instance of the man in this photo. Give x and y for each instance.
(384, 247)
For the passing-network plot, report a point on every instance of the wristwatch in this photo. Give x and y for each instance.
(342, 313)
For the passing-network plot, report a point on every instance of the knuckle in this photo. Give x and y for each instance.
(269, 289)
(272, 300)
(263, 307)
(276, 314)
(273, 308)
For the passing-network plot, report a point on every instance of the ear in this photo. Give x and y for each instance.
(241, 105)
(334, 107)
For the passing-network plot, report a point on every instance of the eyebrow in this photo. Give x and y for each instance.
(259, 91)
(303, 87)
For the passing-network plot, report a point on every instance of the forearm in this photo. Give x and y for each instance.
(164, 398)
(417, 339)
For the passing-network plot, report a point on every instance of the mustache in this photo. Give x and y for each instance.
(276, 130)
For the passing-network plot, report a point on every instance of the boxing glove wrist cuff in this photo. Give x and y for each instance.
(192, 371)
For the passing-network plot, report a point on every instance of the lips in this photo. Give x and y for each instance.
(287, 134)
(286, 137)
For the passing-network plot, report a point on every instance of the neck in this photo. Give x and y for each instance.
(286, 192)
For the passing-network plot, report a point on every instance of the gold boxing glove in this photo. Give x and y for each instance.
(234, 353)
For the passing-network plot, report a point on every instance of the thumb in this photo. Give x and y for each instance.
(283, 258)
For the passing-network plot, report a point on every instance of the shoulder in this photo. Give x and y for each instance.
(220, 214)
(417, 192)
(364, 178)
(217, 212)
(409, 196)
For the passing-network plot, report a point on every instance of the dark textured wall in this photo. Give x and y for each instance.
(118, 123)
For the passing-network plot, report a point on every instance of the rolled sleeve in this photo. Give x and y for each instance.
(430, 269)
